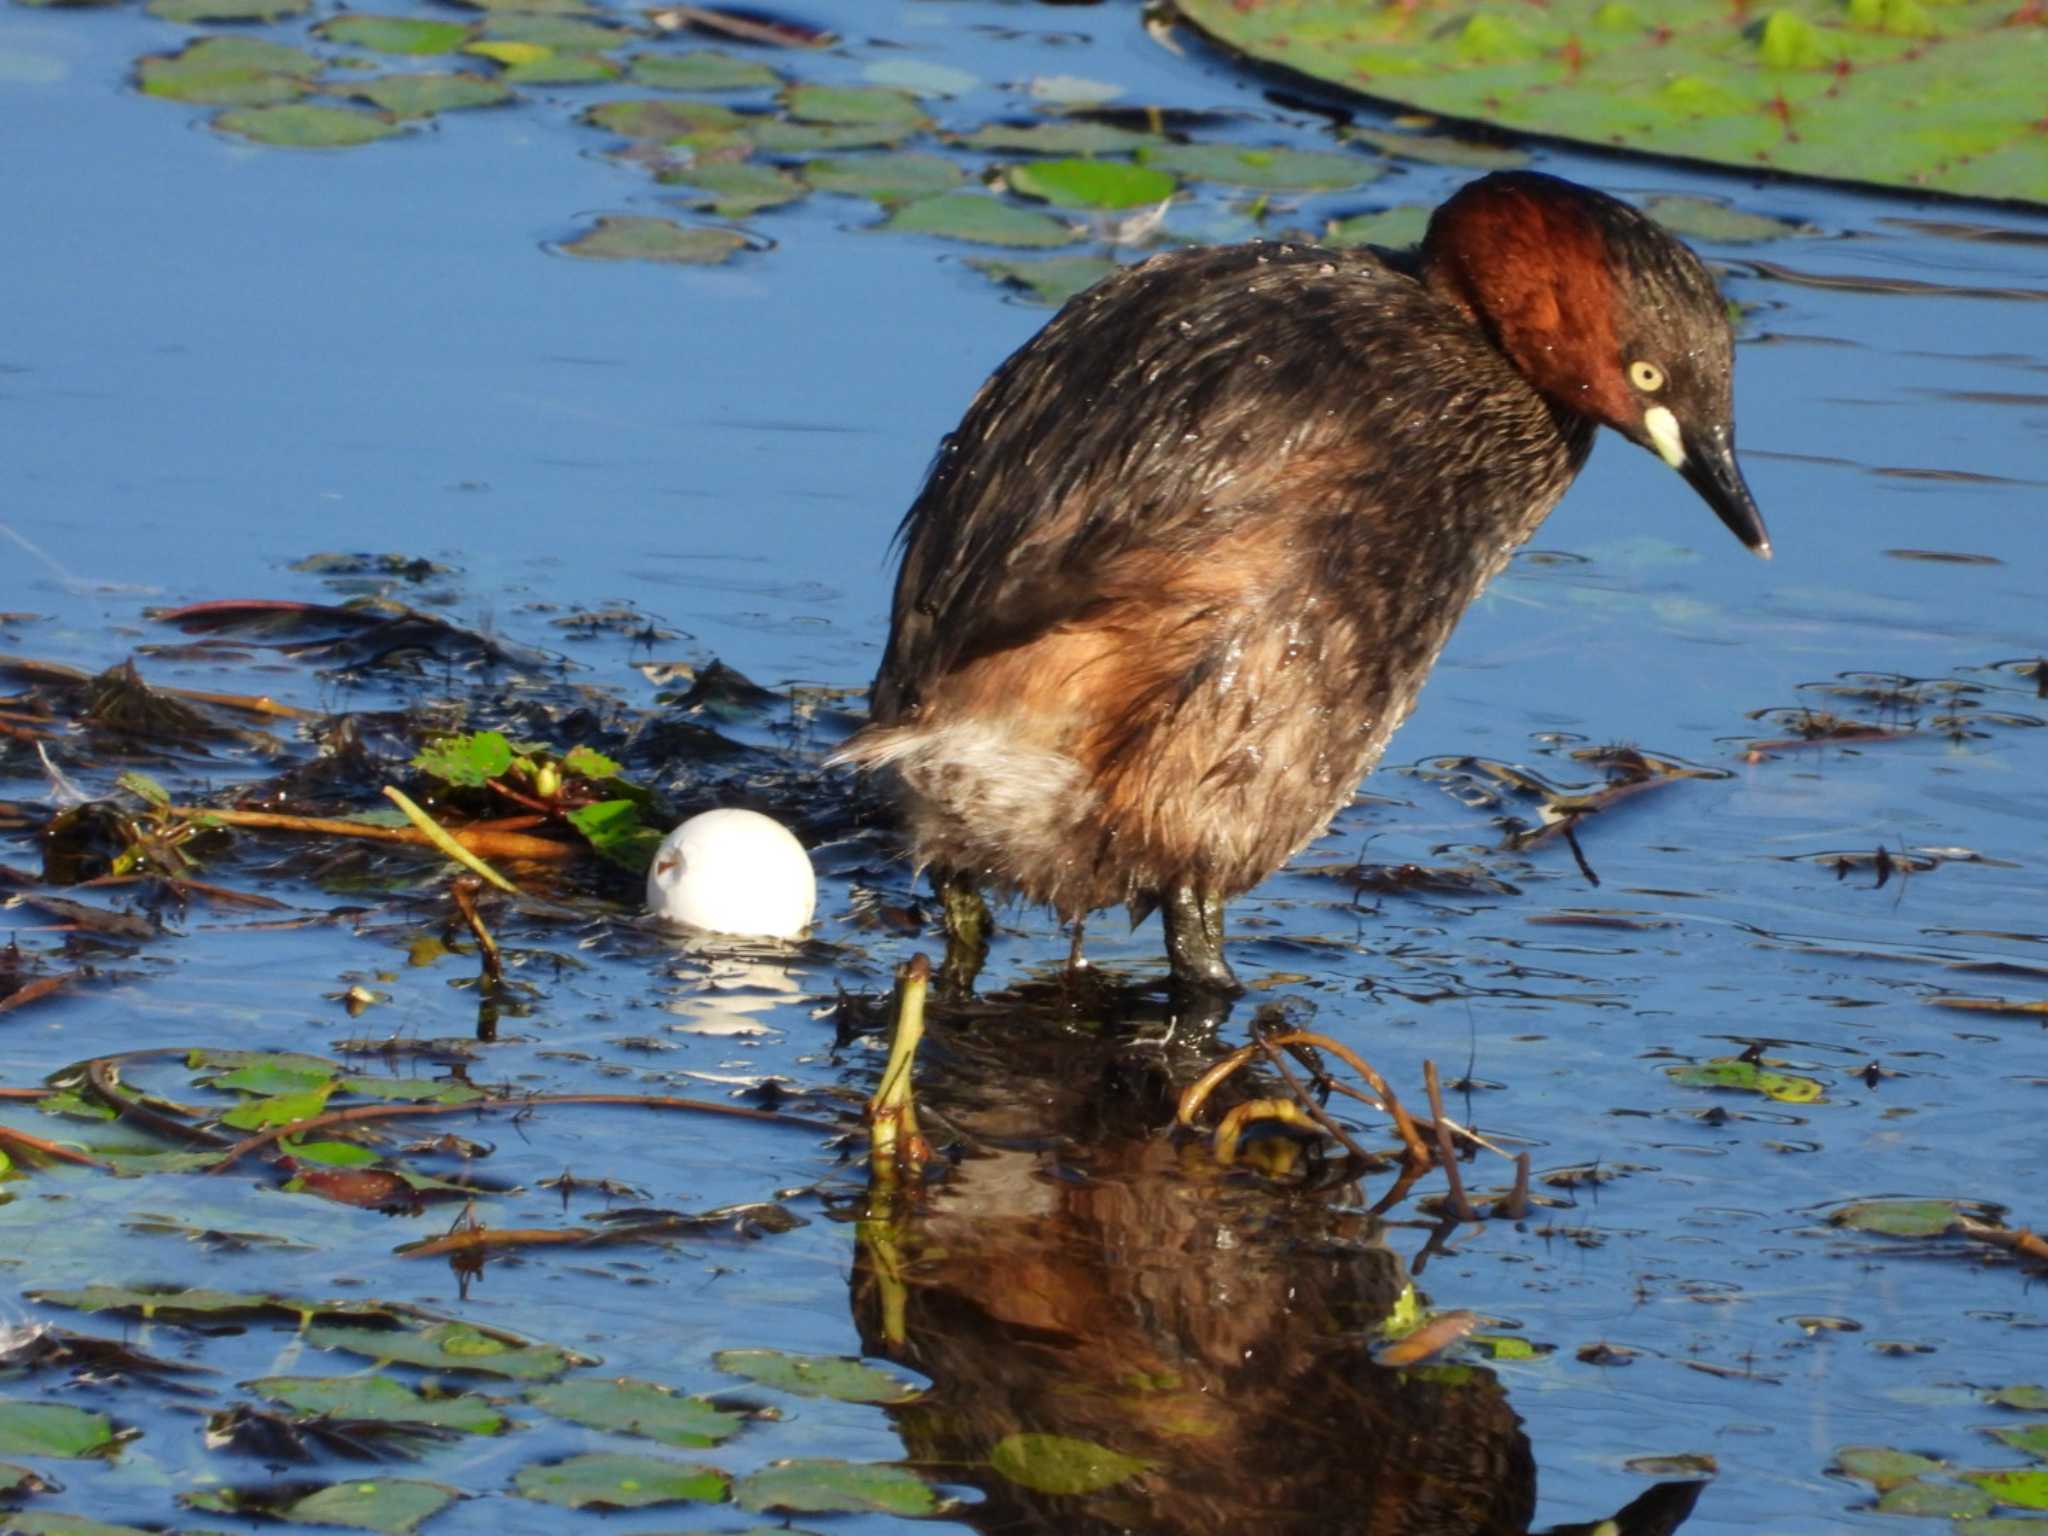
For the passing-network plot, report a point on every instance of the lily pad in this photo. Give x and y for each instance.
(2028, 1439)
(553, 68)
(1097, 184)
(447, 1346)
(412, 35)
(1946, 1501)
(854, 105)
(1740, 1076)
(1048, 279)
(1717, 223)
(982, 220)
(391, 1506)
(1062, 1464)
(736, 189)
(380, 1398)
(662, 121)
(2028, 1399)
(268, 1074)
(700, 69)
(198, 12)
(303, 125)
(563, 34)
(52, 1429)
(1845, 91)
(636, 238)
(1882, 1467)
(604, 1480)
(1897, 1218)
(1396, 228)
(54, 1523)
(230, 72)
(174, 1305)
(1060, 136)
(1434, 149)
(825, 1486)
(782, 136)
(283, 1109)
(885, 178)
(639, 1408)
(838, 1377)
(1276, 169)
(425, 95)
(2021, 1487)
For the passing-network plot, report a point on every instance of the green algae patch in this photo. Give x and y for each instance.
(1902, 93)
(637, 238)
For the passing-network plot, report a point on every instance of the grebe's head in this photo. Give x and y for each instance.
(1607, 314)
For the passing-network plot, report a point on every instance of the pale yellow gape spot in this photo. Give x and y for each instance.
(1664, 435)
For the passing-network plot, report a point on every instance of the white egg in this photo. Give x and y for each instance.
(733, 872)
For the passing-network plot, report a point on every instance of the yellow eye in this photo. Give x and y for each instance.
(1646, 376)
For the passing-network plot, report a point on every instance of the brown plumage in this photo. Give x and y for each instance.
(1183, 566)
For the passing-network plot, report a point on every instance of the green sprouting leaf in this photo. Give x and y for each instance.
(2020, 1487)
(1948, 1501)
(825, 1486)
(1396, 228)
(1099, 184)
(663, 121)
(1708, 219)
(282, 1109)
(303, 125)
(229, 72)
(1740, 1076)
(734, 190)
(1897, 1218)
(982, 220)
(2028, 1439)
(390, 1506)
(1276, 169)
(1508, 1346)
(141, 785)
(885, 178)
(638, 1408)
(1062, 1464)
(615, 829)
(6, 1163)
(196, 12)
(1434, 149)
(447, 1346)
(2028, 1399)
(588, 763)
(1048, 279)
(330, 1154)
(1059, 136)
(410, 35)
(854, 105)
(409, 96)
(1882, 1467)
(466, 761)
(382, 1399)
(838, 1377)
(52, 1429)
(612, 1481)
(700, 69)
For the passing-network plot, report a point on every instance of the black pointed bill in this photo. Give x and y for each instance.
(1709, 467)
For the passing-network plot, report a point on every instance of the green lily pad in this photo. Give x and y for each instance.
(610, 1481)
(1715, 222)
(2021, 1487)
(783, 136)
(447, 1346)
(425, 95)
(1882, 1467)
(1048, 279)
(735, 189)
(552, 68)
(1100, 184)
(391, 1506)
(270, 1076)
(825, 1486)
(885, 178)
(982, 220)
(1845, 91)
(639, 1408)
(838, 1377)
(700, 69)
(198, 12)
(230, 72)
(854, 105)
(284, 1109)
(410, 1090)
(2028, 1399)
(382, 1399)
(1434, 149)
(1062, 1464)
(1947, 1501)
(1740, 1076)
(564, 34)
(410, 35)
(1396, 228)
(1059, 136)
(2028, 1439)
(175, 1305)
(53, 1523)
(635, 238)
(1897, 1218)
(1273, 170)
(303, 125)
(52, 1429)
(662, 121)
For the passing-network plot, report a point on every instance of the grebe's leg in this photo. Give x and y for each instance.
(1076, 960)
(1194, 942)
(967, 931)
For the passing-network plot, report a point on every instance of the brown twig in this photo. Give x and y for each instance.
(2014, 1239)
(100, 1074)
(23, 1141)
(1460, 1204)
(1320, 1116)
(30, 991)
(1516, 1206)
(464, 891)
(484, 843)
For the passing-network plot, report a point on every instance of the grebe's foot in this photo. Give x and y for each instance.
(1194, 944)
(968, 926)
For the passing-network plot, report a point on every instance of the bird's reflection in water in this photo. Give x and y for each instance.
(1081, 1274)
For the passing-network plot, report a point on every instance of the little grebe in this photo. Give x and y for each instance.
(1184, 564)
